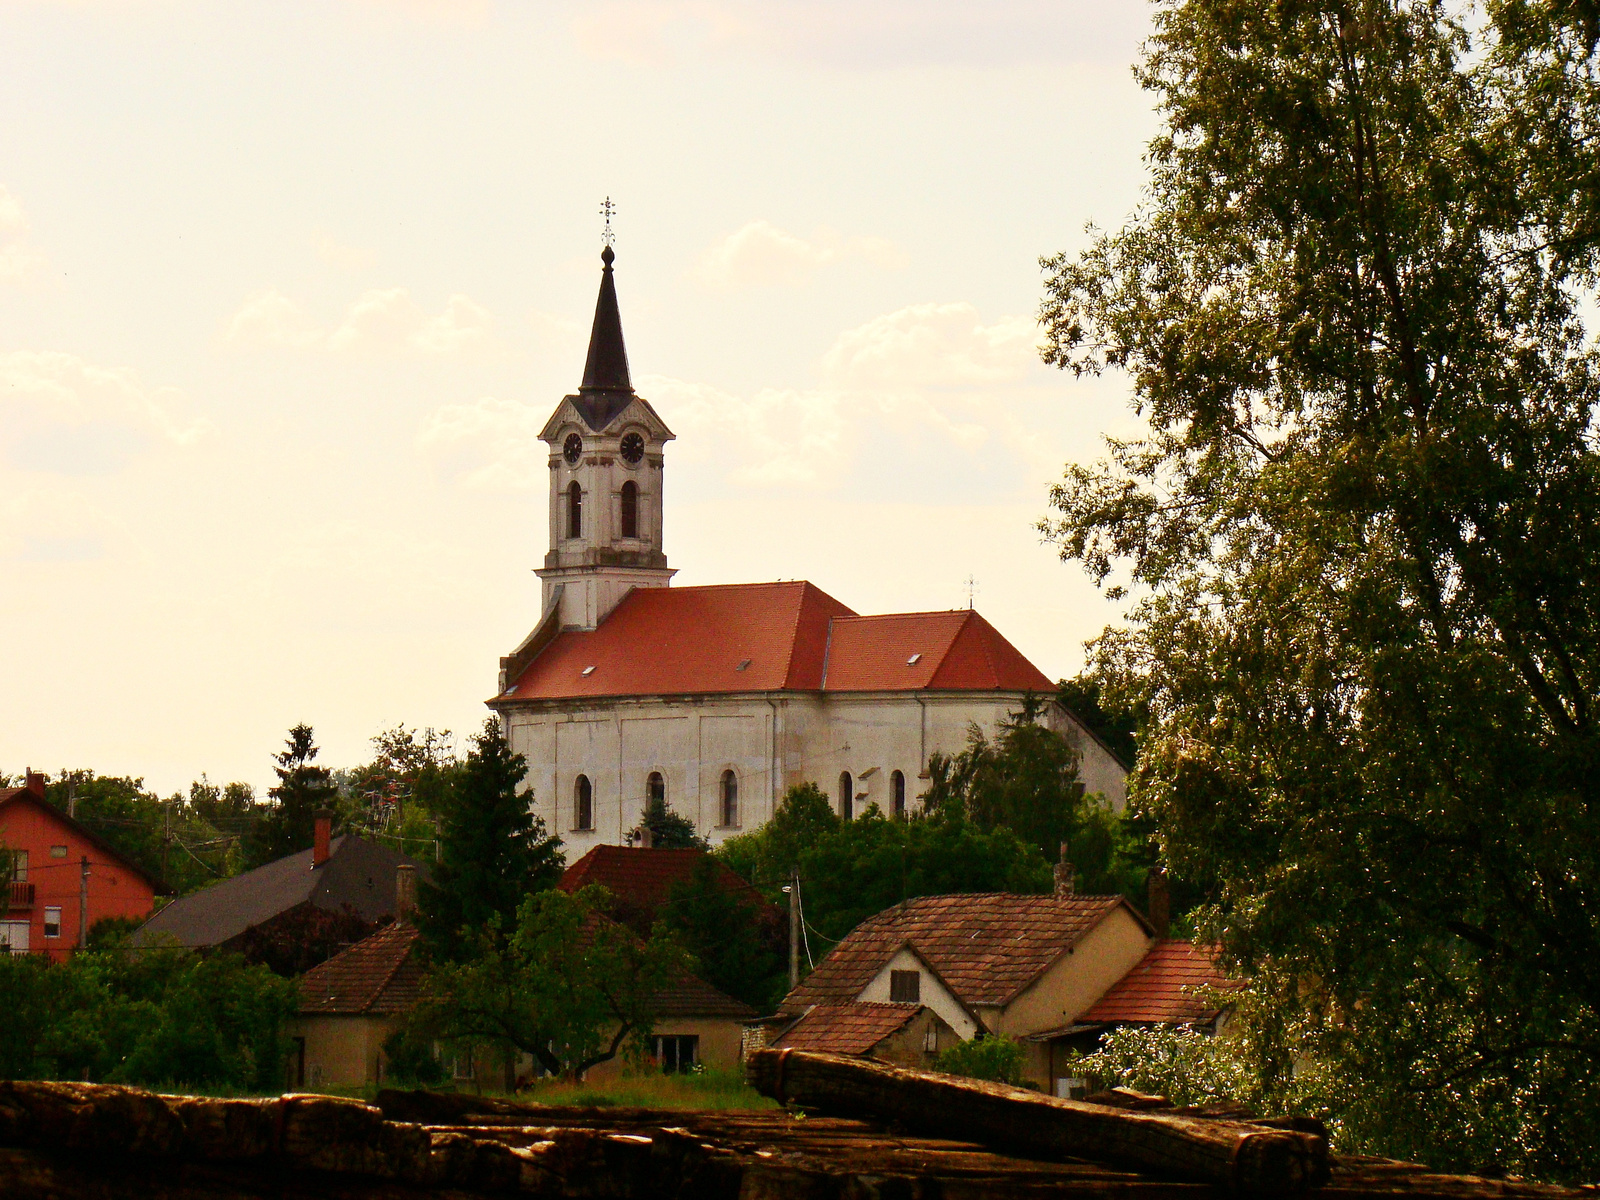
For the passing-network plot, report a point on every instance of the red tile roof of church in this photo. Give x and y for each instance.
(1160, 990)
(758, 637)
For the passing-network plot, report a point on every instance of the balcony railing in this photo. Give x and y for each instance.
(21, 894)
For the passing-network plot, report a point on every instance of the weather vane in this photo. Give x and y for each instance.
(606, 209)
(972, 587)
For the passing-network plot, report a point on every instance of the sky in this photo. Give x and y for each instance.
(287, 290)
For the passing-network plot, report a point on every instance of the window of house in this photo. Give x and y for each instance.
(630, 509)
(13, 937)
(58, 851)
(677, 1052)
(897, 793)
(847, 796)
(52, 922)
(905, 987)
(655, 788)
(730, 798)
(19, 866)
(574, 510)
(583, 803)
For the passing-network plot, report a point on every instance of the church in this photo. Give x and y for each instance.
(717, 699)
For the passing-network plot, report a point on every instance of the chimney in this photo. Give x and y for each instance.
(1066, 878)
(35, 784)
(319, 847)
(1159, 901)
(405, 891)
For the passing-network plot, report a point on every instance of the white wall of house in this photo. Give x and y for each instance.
(933, 995)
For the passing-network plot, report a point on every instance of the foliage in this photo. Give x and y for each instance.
(851, 870)
(1083, 697)
(409, 1058)
(993, 1056)
(153, 1018)
(1363, 542)
(1026, 780)
(395, 798)
(1178, 1062)
(298, 939)
(289, 824)
(697, 1090)
(567, 985)
(493, 850)
(668, 830)
(135, 823)
(738, 941)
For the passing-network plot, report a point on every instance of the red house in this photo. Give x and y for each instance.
(57, 863)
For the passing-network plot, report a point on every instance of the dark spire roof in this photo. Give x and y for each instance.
(606, 388)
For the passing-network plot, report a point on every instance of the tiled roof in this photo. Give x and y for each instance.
(690, 996)
(986, 947)
(378, 975)
(358, 873)
(846, 1028)
(642, 879)
(758, 637)
(1159, 990)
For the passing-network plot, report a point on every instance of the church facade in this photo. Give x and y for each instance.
(717, 699)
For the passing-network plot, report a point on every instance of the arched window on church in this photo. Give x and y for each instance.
(630, 509)
(574, 510)
(582, 803)
(897, 793)
(847, 796)
(730, 799)
(655, 788)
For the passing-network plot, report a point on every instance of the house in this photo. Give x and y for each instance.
(907, 1035)
(64, 878)
(344, 883)
(717, 699)
(641, 881)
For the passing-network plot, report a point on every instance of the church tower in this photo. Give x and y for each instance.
(606, 447)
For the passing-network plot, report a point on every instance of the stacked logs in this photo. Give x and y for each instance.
(1246, 1158)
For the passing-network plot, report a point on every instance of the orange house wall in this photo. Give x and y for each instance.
(115, 890)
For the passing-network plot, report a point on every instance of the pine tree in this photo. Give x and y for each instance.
(494, 851)
(289, 825)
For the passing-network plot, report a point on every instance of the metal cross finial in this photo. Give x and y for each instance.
(972, 588)
(606, 209)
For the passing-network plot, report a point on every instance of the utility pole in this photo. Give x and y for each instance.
(83, 906)
(794, 928)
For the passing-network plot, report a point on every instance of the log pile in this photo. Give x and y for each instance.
(70, 1141)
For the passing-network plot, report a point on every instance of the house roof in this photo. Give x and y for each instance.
(688, 995)
(757, 637)
(23, 795)
(378, 975)
(846, 1028)
(642, 879)
(358, 873)
(986, 947)
(1160, 989)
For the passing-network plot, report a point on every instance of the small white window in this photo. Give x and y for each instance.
(52, 922)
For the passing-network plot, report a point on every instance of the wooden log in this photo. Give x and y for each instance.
(88, 1116)
(1246, 1159)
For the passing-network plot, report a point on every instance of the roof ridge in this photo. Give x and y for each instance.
(377, 992)
(794, 635)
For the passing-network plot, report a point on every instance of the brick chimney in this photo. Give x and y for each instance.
(1066, 877)
(35, 784)
(324, 835)
(1158, 902)
(405, 891)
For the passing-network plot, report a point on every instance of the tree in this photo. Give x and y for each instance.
(566, 984)
(396, 798)
(768, 855)
(1362, 537)
(991, 1056)
(493, 850)
(668, 830)
(737, 945)
(289, 824)
(1082, 697)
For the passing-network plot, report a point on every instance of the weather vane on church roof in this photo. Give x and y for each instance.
(606, 209)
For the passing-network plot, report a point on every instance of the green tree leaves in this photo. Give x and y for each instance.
(289, 824)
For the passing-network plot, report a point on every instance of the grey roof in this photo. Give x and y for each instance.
(606, 388)
(358, 873)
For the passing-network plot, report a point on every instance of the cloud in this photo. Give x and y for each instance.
(383, 320)
(866, 34)
(761, 254)
(20, 260)
(347, 258)
(487, 444)
(775, 437)
(932, 346)
(68, 417)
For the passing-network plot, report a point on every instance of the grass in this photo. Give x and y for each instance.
(706, 1090)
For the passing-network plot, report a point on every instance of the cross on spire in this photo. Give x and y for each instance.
(606, 209)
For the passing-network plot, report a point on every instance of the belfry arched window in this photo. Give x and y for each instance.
(847, 796)
(655, 788)
(730, 799)
(582, 803)
(897, 793)
(630, 509)
(574, 510)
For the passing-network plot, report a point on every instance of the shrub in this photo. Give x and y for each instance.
(994, 1057)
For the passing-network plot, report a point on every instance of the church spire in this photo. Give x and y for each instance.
(607, 367)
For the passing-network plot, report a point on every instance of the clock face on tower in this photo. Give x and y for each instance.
(632, 447)
(571, 448)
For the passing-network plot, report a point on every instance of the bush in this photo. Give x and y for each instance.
(410, 1059)
(995, 1057)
